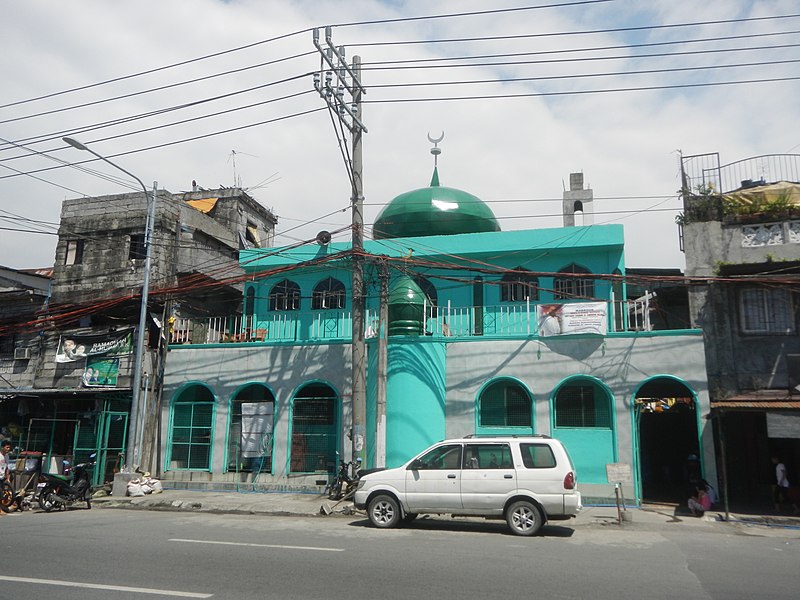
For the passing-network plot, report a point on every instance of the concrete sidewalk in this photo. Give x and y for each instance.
(311, 505)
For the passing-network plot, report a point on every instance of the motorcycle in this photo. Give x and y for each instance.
(60, 491)
(346, 480)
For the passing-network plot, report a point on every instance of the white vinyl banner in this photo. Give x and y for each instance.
(577, 317)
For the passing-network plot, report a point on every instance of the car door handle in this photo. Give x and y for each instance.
(508, 476)
(451, 476)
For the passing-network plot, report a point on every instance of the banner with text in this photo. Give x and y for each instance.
(576, 317)
(78, 347)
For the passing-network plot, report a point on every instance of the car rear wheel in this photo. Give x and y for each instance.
(523, 518)
(384, 512)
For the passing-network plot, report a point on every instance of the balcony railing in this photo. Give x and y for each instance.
(512, 320)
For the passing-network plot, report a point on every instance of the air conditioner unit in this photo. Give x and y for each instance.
(22, 353)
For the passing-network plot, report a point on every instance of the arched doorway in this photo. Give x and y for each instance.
(250, 427)
(583, 419)
(665, 413)
(315, 422)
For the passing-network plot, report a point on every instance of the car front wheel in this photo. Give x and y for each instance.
(384, 512)
(523, 518)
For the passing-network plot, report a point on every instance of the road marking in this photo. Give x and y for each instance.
(258, 545)
(100, 586)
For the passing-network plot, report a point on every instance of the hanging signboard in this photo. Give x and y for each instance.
(571, 318)
(100, 372)
(78, 347)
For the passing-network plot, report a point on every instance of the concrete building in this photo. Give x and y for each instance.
(79, 398)
(741, 237)
(485, 332)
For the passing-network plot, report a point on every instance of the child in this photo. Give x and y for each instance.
(700, 502)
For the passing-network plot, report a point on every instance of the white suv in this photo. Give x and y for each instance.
(525, 479)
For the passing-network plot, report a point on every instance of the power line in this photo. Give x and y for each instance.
(580, 32)
(580, 92)
(182, 141)
(475, 13)
(584, 75)
(585, 58)
(576, 50)
(157, 69)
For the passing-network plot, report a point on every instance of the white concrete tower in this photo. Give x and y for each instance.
(579, 200)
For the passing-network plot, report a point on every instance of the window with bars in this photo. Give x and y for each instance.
(250, 430)
(582, 405)
(314, 439)
(571, 287)
(767, 310)
(328, 294)
(192, 429)
(505, 404)
(519, 286)
(285, 295)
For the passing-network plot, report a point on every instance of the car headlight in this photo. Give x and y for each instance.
(361, 483)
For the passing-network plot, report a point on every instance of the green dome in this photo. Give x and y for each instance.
(434, 210)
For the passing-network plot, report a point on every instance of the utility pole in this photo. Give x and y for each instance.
(348, 81)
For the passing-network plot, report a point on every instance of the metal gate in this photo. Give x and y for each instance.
(106, 440)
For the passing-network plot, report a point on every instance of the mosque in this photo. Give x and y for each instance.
(485, 332)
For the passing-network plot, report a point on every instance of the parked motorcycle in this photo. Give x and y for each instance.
(346, 480)
(60, 491)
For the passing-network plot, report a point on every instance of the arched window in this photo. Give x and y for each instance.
(581, 405)
(192, 429)
(505, 403)
(250, 430)
(570, 287)
(314, 421)
(285, 295)
(519, 286)
(328, 294)
(430, 293)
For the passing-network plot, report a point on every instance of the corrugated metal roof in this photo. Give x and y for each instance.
(760, 399)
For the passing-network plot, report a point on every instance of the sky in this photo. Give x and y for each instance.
(222, 93)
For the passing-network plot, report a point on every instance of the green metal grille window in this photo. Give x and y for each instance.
(582, 406)
(192, 430)
(505, 404)
(314, 438)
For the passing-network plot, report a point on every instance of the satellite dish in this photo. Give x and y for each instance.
(324, 238)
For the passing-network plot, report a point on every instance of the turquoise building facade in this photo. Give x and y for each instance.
(488, 332)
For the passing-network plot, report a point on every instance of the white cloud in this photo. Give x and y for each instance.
(520, 148)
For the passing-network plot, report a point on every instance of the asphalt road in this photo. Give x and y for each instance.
(138, 554)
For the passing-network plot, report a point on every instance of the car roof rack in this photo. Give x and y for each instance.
(505, 435)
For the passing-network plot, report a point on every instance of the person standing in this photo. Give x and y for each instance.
(780, 492)
(5, 460)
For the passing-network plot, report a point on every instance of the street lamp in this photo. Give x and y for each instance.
(131, 448)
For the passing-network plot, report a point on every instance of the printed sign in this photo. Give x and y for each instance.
(78, 347)
(101, 372)
(576, 317)
(619, 473)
